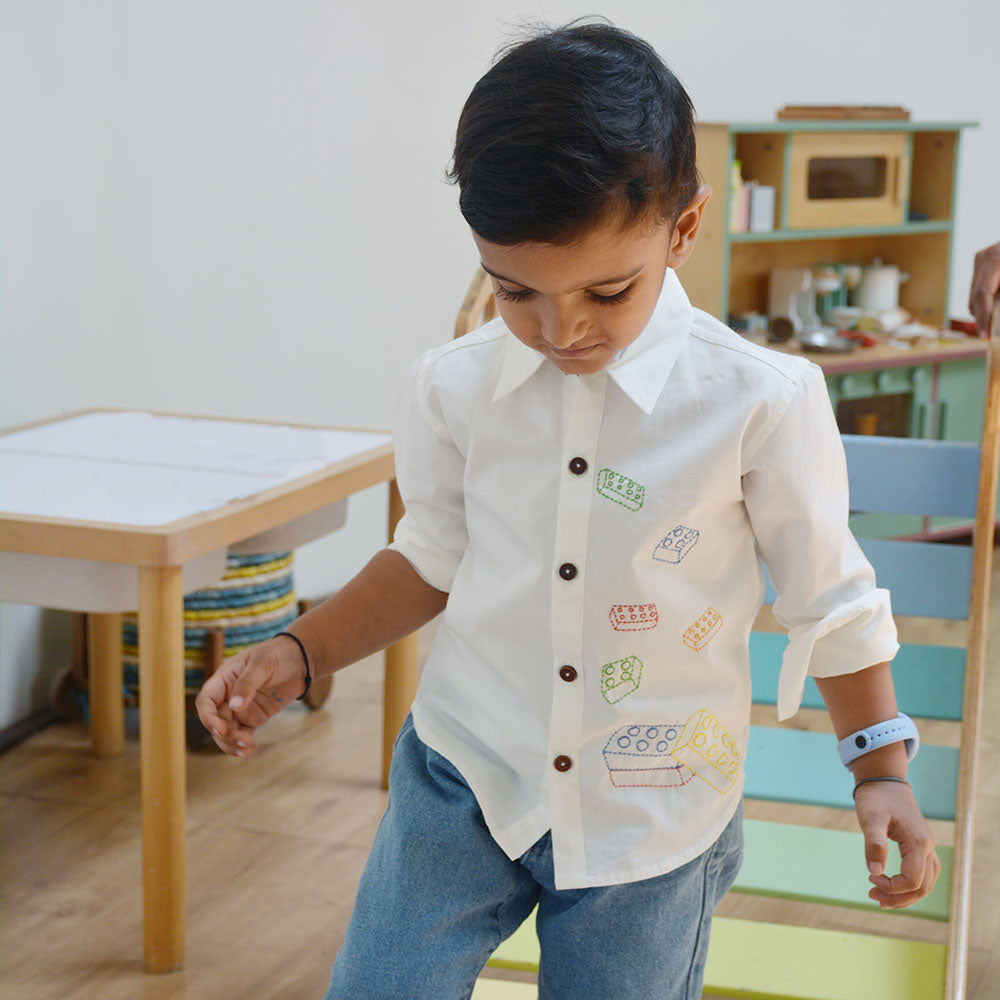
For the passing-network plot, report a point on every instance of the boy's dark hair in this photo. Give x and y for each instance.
(568, 128)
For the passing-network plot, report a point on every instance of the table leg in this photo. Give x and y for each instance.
(400, 666)
(161, 743)
(107, 709)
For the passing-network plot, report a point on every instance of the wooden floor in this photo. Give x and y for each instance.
(275, 850)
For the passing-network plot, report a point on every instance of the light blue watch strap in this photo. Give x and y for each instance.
(882, 734)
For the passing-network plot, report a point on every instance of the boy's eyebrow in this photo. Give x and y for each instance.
(589, 284)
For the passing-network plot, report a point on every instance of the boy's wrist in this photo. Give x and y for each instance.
(890, 760)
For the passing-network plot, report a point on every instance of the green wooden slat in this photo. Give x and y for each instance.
(780, 861)
(929, 679)
(790, 765)
(758, 961)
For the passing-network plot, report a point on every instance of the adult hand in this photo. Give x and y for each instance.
(247, 690)
(887, 811)
(985, 285)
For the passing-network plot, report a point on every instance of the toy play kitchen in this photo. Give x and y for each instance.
(861, 244)
(820, 306)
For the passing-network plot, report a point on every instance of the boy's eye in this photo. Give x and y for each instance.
(508, 294)
(612, 300)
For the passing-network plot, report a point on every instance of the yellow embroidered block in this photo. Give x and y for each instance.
(708, 750)
(701, 632)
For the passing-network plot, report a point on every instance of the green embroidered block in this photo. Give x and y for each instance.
(620, 678)
(622, 490)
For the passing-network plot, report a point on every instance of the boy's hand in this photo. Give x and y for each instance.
(247, 690)
(887, 810)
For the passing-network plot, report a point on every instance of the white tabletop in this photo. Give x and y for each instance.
(141, 469)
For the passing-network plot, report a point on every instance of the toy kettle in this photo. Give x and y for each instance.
(878, 289)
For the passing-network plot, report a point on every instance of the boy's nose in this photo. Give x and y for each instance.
(563, 330)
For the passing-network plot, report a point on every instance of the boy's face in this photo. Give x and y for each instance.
(581, 304)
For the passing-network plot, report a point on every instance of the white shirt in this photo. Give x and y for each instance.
(640, 573)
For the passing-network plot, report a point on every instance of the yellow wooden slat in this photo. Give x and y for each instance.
(501, 989)
(759, 961)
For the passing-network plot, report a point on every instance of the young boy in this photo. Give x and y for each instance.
(589, 481)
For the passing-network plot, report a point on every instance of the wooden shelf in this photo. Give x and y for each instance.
(785, 235)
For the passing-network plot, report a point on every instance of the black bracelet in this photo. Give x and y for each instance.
(884, 777)
(305, 657)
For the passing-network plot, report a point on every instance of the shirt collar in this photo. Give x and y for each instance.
(641, 370)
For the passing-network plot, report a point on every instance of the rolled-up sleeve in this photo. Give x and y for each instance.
(796, 494)
(429, 472)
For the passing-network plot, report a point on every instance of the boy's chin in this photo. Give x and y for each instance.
(581, 366)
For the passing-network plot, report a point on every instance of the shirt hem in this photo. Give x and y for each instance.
(582, 880)
(514, 838)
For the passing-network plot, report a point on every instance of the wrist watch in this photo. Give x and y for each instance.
(881, 734)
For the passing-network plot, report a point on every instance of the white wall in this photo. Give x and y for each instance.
(237, 207)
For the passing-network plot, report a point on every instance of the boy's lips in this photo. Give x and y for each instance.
(573, 352)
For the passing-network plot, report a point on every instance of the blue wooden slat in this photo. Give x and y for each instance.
(929, 679)
(791, 765)
(925, 578)
(912, 476)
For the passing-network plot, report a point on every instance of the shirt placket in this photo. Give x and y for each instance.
(569, 578)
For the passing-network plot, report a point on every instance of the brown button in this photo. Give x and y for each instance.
(567, 571)
(567, 673)
(578, 466)
(562, 763)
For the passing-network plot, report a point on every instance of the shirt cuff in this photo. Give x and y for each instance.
(433, 564)
(855, 636)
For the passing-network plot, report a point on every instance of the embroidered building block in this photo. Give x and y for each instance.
(639, 757)
(701, 632)
(620, 678)
(634, 617)
(676, 545)
(708, 750)
(621, 489)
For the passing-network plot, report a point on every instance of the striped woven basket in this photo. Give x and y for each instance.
(254, 601)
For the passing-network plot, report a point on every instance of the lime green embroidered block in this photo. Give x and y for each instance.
(620, 489)
(620, 678)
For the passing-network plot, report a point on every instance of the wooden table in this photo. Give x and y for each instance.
(104, 564)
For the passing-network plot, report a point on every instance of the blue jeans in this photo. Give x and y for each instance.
(438, 895)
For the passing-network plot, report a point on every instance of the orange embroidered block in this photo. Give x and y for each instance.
(708, 750)
(701, 632)
(634, 617)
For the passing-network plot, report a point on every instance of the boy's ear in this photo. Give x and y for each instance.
(686, 227)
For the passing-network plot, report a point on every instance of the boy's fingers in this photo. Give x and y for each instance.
(250, 676)
(209, 702)
(876, 832)
(892, 898)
